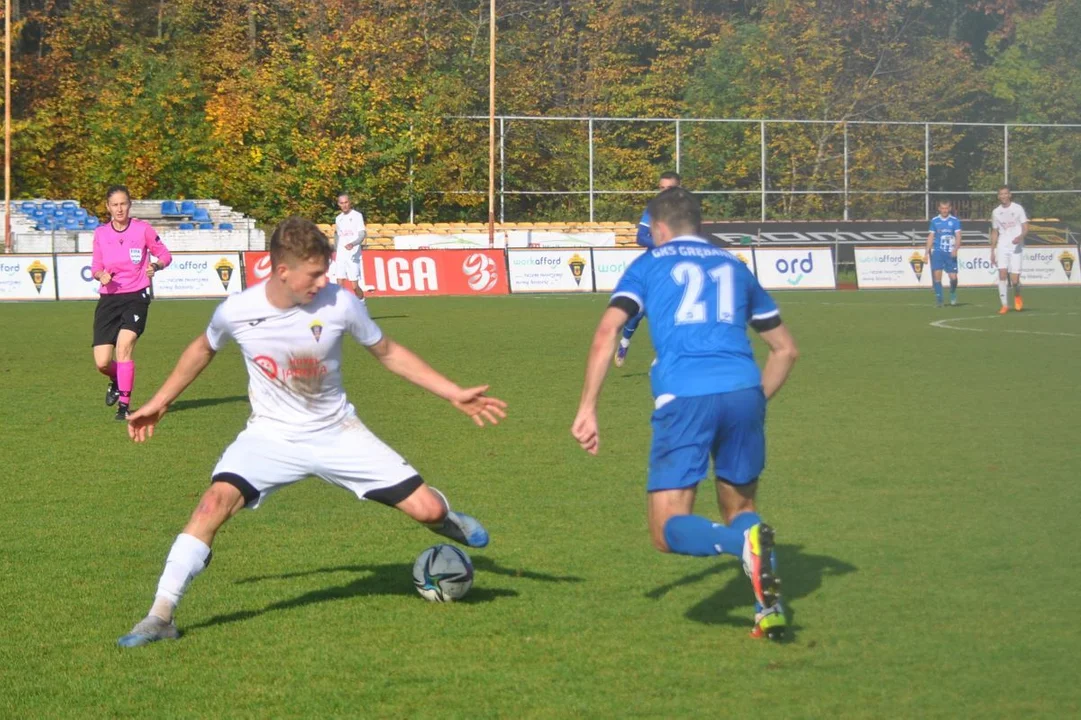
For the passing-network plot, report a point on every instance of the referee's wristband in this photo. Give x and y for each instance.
(157, 267)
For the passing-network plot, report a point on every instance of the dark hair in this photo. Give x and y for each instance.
(342, 194)
(678, 209)
(1005, 187)
(945, 201)
(114, 189)
(670, 175)
(295, 239)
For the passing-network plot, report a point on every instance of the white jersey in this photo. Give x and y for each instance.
(349, 228)
(1008, 221)
(294, 356)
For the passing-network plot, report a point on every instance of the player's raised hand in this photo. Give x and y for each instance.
(474, 403)
(142, 422)
(585, 432)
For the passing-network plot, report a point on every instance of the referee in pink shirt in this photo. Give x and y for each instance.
(122, 251)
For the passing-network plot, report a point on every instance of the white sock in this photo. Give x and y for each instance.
(1002, 292)
(624, 342)
(188, 557)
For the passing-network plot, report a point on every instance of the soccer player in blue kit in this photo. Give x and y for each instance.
(710, 397)
(645, 239)
(943, 242)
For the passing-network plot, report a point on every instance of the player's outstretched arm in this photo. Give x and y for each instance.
(404, 363)
(782, 356)
(193, 361)
(584, 429)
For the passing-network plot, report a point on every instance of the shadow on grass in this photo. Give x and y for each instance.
(390, 317)
(181, 405)
(385, 579)
(801, 572)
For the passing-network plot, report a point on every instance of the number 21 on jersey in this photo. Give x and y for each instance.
(692, 308)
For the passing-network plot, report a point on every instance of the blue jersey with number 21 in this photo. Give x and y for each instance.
(699, 299)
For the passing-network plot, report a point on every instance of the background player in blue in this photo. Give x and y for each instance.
(645, 239)
(943, 242)
(710, 398)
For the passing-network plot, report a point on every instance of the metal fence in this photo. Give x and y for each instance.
(606, 167)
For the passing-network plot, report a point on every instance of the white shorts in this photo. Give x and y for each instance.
(346, 266)
(349, 456)
(1009, 258)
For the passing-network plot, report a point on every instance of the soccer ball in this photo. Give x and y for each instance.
(443, 573)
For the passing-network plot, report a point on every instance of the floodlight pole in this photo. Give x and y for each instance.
(491, 124)
(7, 125)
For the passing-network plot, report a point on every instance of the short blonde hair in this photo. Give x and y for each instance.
(297, 239)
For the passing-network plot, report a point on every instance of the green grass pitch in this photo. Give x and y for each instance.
(925, 482)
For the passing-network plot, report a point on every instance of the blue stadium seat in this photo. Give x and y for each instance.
(58, 213)
(225, 226)
(206, 226)
(71, 211)
(186, 226)
(38, 214)
(71, 223)
(81, 213)
(48, 205)
(201, 215)
(169, 208)
(92, 222)
(69, 204)
(187, 207)
(28, 207)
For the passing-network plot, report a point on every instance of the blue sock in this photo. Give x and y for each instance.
(701, 537)
(632, 325)
(744, 522)
(938, 291)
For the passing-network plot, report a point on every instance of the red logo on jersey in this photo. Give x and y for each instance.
(267, 365)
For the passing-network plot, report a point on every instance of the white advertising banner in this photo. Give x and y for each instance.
(458, 241)
(556, 239)
(892, 267)
(535, 271)
(974, 268)
(1050, 265)
(73, 277)
(27, 277)
(199, 275)
(610, 264)
(795, 268)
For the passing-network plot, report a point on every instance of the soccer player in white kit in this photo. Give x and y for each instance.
(290, 331)
(350, 231)
(1009, 226)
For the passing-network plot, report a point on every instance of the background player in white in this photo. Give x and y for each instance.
(350, 233)
(290, 331)
(1009, 226)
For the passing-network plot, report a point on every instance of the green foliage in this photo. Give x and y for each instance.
(275, 105)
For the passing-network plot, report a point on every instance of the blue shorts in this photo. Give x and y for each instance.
(728, 427)
(941, 260)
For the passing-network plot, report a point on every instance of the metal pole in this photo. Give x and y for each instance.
(410, 160)
(1005, 154)
(7, 125)
(926, 170)
(591, 169)
(677, 145)
(762, 153)
(845, 129)
(491, 124)
(502, 172)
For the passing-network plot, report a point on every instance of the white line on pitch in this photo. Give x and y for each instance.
(944, 324)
